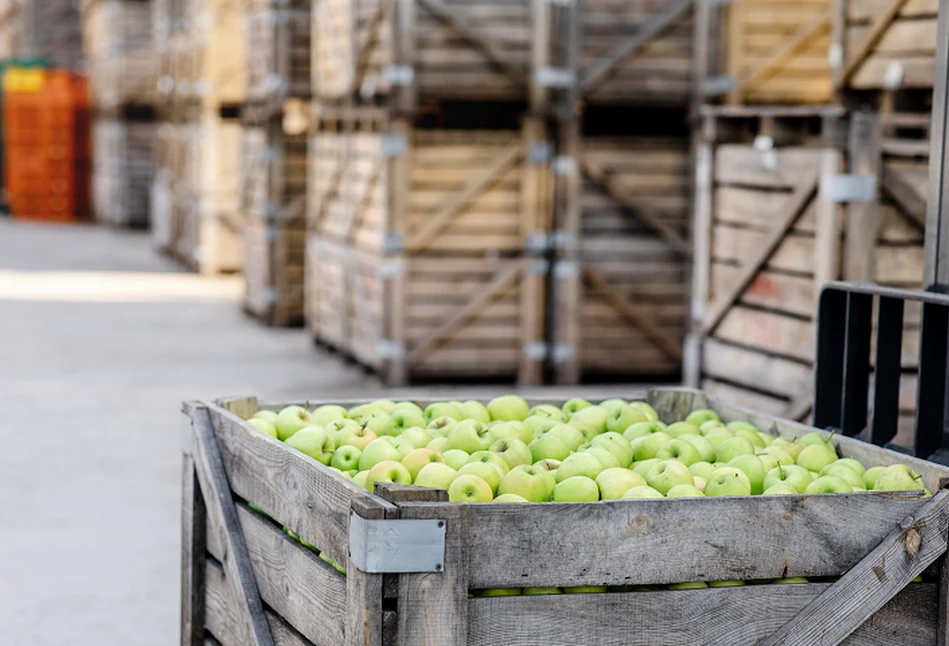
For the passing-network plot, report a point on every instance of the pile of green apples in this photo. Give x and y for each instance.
(508, 451)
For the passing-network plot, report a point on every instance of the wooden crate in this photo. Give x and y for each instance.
(122, 171)
(623, 251)
(278, 41)
(766, 51)
(273, 197)
(245, 581)
(162, 194)
(769, 233)
(885, 44)
(11, 29)
(117, 41)
(427, 316)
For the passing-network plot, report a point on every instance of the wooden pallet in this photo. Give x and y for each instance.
(117, 42)
(620, 279)
(885, 44)
(767, 52)
(768, 236)
(273, 196)
(122, 171)
(278, 41)
(244, 581)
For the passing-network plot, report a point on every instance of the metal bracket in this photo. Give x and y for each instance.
(271, 210)
(561, 239)
(536, 242)
(400, 74)
(844, 187)
(187, 435)
(718, 85)
(556, 77)
(387, 349)
(536, 351)
(564, 166)
(893, 76)
(562, 353)
(393, 243)
(390, 268)
(536, 267)
(393, 144)
(396, 546)
(835, 56)
(268, 296)
(540, 152)
(566, 270)
(273, 233)
(764, 144)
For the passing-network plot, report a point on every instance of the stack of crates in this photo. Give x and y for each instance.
(46, 144)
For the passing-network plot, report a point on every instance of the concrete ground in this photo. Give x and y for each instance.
(100, 341)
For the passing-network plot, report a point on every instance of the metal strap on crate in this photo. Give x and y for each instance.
(396, 546)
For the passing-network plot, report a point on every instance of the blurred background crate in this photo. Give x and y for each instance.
(122, 171)
(12, 42)
(52, 30)
(119, 55)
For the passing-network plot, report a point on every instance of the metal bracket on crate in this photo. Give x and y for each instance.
(844, 188)
(393, 144)
(165, 85)
(390, 268)
(275, 83)
(564, 165)
(270, 154)
(566, 270)
(268, 296)
(536, 351)
(388, 349)
(537, 242)
(536, 267)
(764, 144)
(400, 74)
(393, 243)
(273, 233)
(396, 546)
(271, 210)
(718, 85)
(562, 352)
(835, 56)
(540, 152)
(561, 239)
(556, 77)
(893, 76)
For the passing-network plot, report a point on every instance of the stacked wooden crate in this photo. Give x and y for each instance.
(52, 31)
(11, 29)
(274, 164)
(623, 84)
(429, 184)
(117, 40)
(202, 81)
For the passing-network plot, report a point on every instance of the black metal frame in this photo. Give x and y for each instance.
(842, 372)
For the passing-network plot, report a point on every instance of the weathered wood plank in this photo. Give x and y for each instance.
(288, 485)
(735, 616)
(856, 58)
(220, 507)
(193, 540)
(869, 585)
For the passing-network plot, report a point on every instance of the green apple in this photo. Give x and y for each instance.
(470, 488)
(441, 426)
(379, 450)
(768, 461)
(780, 489)
(728, 482)
(623, 417)
(490, 473)
(327, 413)
(346, 458)
(490, 457)
(360, 478)
(792, 475)
(613, 403)
(642, 429)
(614, 482)
(403, 444)
(571, 435)
(751, 436)
(417, 436)
(548, 447)
(381, 424)
(315, 442)
(436, 475)
(548, 411)
(408, 404)
(668, 473)
(527, 481)
(690, 585)
(358, 436)
(790, 580)
(337, 426)
(530, 591)
(533, 421)
(734, 447)
(579, 464)
(266, 415)
(510, 497)
(844, 472)
(719, 435)
(606, 458)
(766, 439)
(679, 450)
(571, 406)
(363, 411)
(702, 469)
(815, 457)
(651, 413)
(813, 438)
(543, 429)
(263, 426)
(645, 448)
(517, 430)
(898, 477)
(388, 471)
(418, 458)
(576, 489)
(726, 584)
(470, 436)
(508, 408)
(707, 427)
(700, 483)
(685, 491)
(702, 415)
(853, 464)
(792, 448)
(779, 454)
(594, 417)
(642, 467)
(475, 410)
(585, 589)
(443, 409)
(705, 448)
(586, 429)
(406, 418)
(499, 592)
(682, 428)
(290, 420)
(642, 492)
(455, 458)
(752, 467)
(513, 451)
(438, 444)
(871, 475)
(617, 445)
(829, 484)
(739, 425)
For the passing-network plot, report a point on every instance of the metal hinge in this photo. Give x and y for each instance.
(765, 146)
(893, 76)
(535, 351)
(393, 243)
(273, 233)
(540, 152)
(387, 349)
(562, 353)
(564, 166)
(557, 77)
(390, 268)
(718, 85)
(845, 188)
(536, 267)
(396, 546)
(393, 144)
(271, 210)
(835, 56)
(561, 239)
(268, 296)
(536, 242)
(566, 270)
(400, 74)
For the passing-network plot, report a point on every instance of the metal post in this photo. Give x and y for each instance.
(936, 271)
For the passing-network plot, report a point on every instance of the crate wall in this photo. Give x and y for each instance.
(122, 171)
(11, 29)
(119, 55)
(278, 40)
(52, 31)
(773, 237)
(212, 57)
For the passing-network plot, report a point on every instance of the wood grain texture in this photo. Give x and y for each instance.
(735, 616)
(221, 509)
(193, 539)
(870, 584)
(289, 486)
